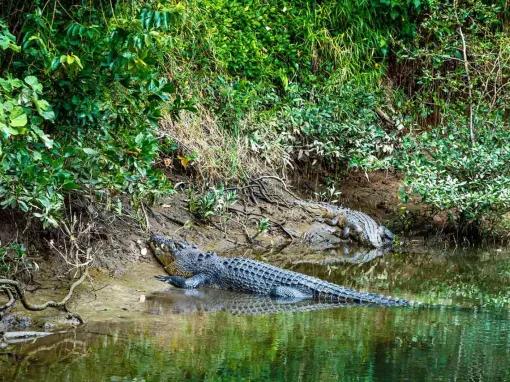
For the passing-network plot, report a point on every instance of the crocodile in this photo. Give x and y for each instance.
(251, 276)
(353, 224)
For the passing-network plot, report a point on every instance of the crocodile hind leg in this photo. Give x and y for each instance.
(195, 281)
(285, 292)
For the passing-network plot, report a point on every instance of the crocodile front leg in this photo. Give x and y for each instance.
(192, 282)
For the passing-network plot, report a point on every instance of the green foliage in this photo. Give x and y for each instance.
(214, 202)
(105, 92)
(31, 173)
(263, 225)
(448, 172)
(251, 58)
(419, 85)
(461, 61)
(12, 258)
(340, 127)
(330, 194)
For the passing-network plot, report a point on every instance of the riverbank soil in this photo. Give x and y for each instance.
(122, 269)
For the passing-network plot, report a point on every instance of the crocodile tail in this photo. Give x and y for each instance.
(340, 294)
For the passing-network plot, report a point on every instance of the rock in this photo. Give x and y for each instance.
(49, 326)
(15, 321)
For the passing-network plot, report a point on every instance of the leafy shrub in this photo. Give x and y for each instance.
(212, 203)
(448, 172)
(12, 257)
(341, 127)
(105, 93)
(457, 159)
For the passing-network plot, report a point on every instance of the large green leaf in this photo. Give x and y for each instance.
(18, 117)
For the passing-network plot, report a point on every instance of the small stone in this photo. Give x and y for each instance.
(143, 251)
(48, 326)
(142, 298)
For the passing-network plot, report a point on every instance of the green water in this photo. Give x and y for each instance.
(196, 337)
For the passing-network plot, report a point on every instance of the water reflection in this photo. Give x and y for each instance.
(214, 335)
(356, 343)
(216, 300)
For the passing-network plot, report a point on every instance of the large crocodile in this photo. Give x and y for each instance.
(251, 276)
(355, 224)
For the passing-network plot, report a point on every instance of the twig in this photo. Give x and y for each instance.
(281, 181)
(147, 223)
(385, 117)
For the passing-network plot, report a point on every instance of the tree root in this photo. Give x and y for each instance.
(257, 189)
(279, 225)
(9, 304)
(8, 286)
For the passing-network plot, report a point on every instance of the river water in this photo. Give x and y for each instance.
(210, 335)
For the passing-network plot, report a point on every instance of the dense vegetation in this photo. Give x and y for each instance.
(99, 98)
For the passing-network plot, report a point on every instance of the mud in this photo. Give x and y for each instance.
(123, 267)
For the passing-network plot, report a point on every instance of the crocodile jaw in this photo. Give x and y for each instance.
(163, 247)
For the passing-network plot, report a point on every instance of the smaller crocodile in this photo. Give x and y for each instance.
(251, 276)
(353, 224)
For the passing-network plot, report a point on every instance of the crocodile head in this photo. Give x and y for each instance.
(186, 257)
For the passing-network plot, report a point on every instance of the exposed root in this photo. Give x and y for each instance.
(19, 295)
(258, 189)
(9, 304)
(75, 249)
(279, 225)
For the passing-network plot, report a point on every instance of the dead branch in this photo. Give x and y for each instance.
(385, 117)
(173, 219)
(75, 250)
(147, 222)
(277, 178)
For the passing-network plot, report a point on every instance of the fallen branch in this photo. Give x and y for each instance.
(277, 178)
(173, 219)
(385, 117)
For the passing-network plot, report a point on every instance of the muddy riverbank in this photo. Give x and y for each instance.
(140, 329)
(121, 272)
